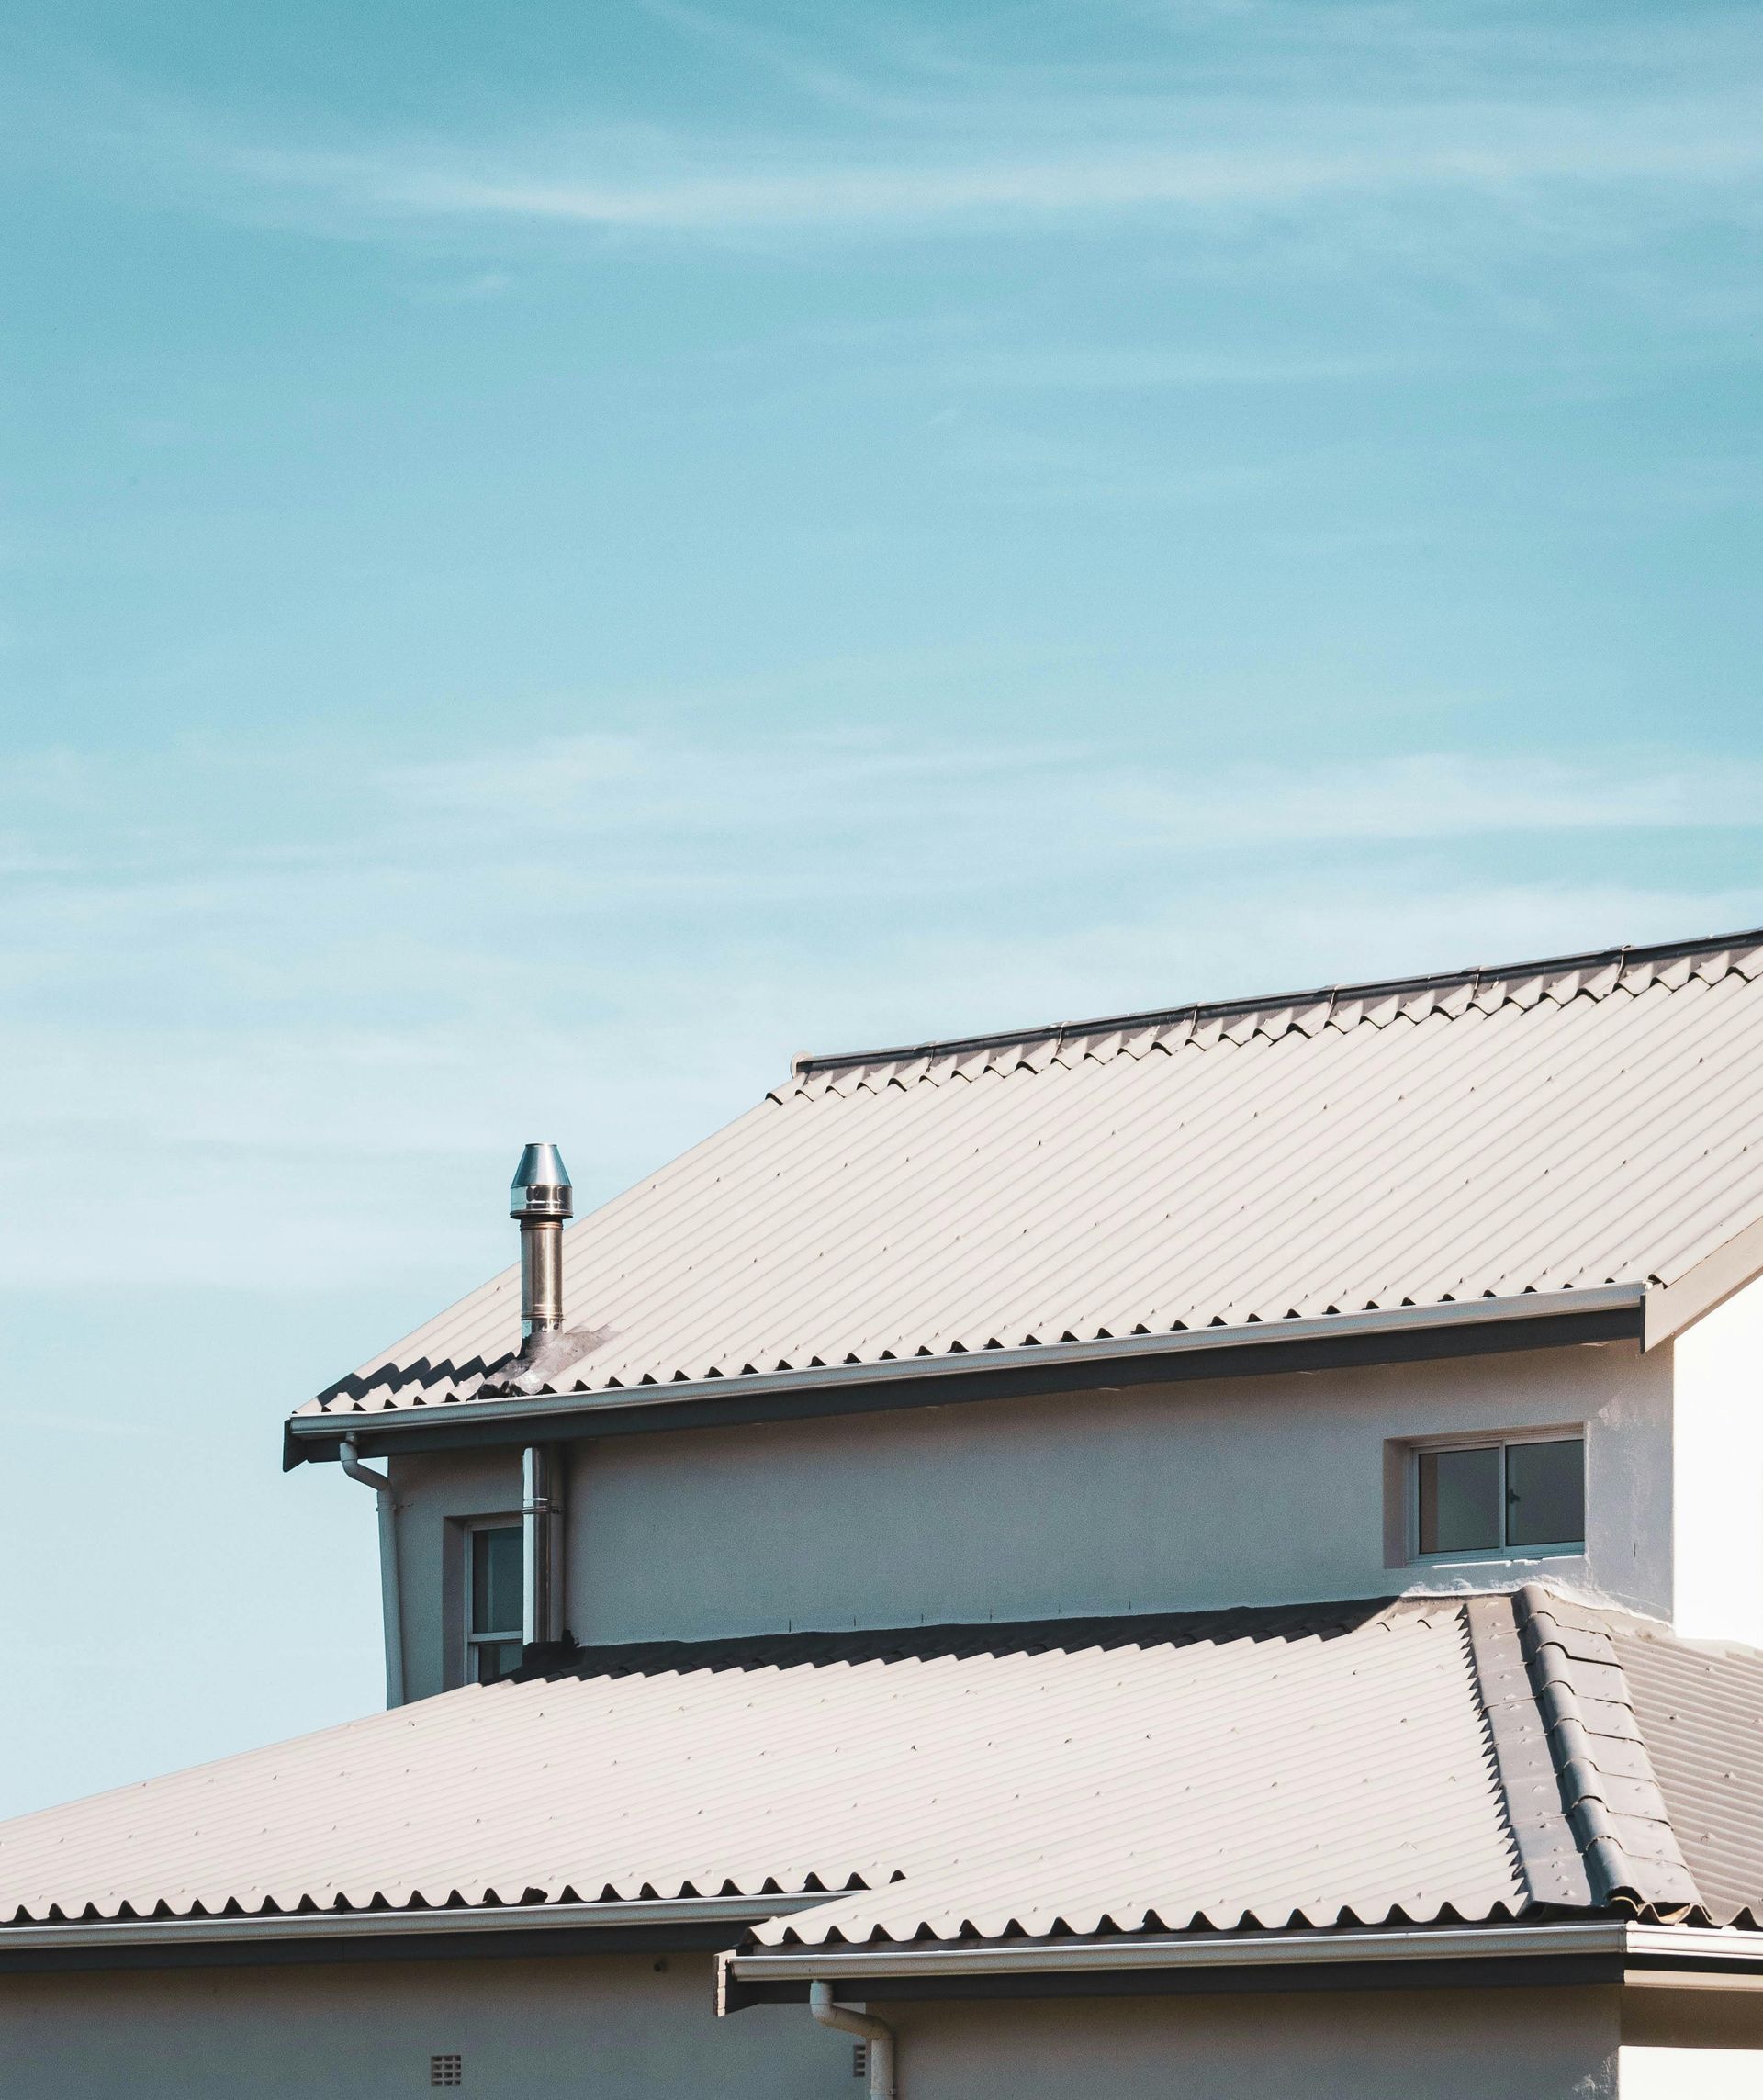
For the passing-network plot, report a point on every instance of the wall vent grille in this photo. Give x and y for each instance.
(446, 2071)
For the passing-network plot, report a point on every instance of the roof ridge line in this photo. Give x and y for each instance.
(1197, 1010)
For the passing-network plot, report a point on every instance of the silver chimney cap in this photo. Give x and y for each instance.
(541, 1184)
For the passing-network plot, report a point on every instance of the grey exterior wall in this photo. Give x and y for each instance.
(1149, 1498)
(1153, 1498)
(435, 1497)
(612, 2025)
(1399, 2045)
(614, 2029)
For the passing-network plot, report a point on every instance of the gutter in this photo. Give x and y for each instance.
(393, 1931)
(1396, 1334)
(1652, 1955)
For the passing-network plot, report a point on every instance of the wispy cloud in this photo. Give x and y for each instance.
(892, 123)
(626, 934)
(1490, 153)
(632, 786)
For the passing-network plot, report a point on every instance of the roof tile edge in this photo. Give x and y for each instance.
(1596, 973)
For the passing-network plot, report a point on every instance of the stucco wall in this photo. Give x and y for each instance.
(1184, 1496)
(1690, 2073)
(434, 1495)
(1718, 1469)
(1152, 1499)
(1401, 2045)
(616, 2029)
(1692, 2045)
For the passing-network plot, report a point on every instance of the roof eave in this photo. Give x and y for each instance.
(1385, 1334)
(391, 1934)
(1592, 1950)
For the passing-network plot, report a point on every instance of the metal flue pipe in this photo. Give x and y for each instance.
(539, 1199)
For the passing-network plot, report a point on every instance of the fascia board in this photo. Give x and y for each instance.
(1670, 1308)
(1709, 1950)
(379, 1429)
(1215, 1950)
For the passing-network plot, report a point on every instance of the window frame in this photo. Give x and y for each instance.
(471, 1640)
(1502, 1441)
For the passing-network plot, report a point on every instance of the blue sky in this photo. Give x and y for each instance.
(554, 556)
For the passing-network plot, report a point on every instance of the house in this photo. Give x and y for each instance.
(1208, 1552)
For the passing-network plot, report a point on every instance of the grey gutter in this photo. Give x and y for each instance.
(305, 1927)
(1656, 1947)
(1534, 1319)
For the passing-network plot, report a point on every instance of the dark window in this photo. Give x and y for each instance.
(446, 2071)
(1486, 1498)
(1460, 1499)
(494, 1632)
(1545, 1493)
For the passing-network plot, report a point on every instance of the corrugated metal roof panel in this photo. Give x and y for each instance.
(1304, 1766)
(1700, 1712)
(1563, 1126)
(1351, 1779)
(1278, 1773)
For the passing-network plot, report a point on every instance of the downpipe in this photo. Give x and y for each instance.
(391, 1606)
(877, 2033)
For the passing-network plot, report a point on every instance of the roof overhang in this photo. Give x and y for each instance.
(1538, 1320)
(1595, 1951)
(681, 1925)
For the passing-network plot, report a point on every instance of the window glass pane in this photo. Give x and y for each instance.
(496, 1579)
(1545, 1493)
(496, 1658)
(1460, 1500)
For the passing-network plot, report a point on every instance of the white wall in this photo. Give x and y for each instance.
(613, 2029)
(1718, 1473)
(1171, 1497)
(1690, 2074)
(1692, 2044)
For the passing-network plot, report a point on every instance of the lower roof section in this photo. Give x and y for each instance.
(1390, 1764)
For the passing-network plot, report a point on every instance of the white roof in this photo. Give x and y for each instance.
(1245, 1766)
(1415, 1759)
(1559, 1125)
